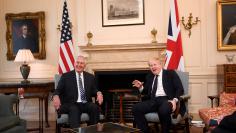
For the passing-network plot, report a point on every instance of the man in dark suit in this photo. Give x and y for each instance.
(163, 89)
(74, 93)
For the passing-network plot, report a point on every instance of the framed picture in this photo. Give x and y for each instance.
(226, 26)
(25, 31)
(122, 12)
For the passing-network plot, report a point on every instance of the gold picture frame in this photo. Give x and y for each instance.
(226, 25)
(26, 31)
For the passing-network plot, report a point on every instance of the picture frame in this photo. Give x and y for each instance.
(25, 31)
(122, 12)
(226, 25)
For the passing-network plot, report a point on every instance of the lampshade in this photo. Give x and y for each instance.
(25, 56)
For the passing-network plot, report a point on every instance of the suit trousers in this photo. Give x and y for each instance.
(157, 104)
(74, 110)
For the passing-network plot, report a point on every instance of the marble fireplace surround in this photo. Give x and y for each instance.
(123, 57)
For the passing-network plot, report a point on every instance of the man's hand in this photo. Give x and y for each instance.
(137, 84)
(99, 97)
(56, 102)
(173, 102)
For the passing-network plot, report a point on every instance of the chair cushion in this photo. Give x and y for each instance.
(153, 117)
(8, 122)
(62, 119)
(101, 117)
(227, 99)
(84, 118)
(212, 116)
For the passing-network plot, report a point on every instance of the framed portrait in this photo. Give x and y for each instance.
(226, 25)
(25, 31)
(122, 12)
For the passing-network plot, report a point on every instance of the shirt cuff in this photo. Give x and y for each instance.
(99, 92)
(176, 99)
(141, 89)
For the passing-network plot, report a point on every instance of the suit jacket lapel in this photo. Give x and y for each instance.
(150, 83)
(164, 80)
(74, 82)
(85, 82)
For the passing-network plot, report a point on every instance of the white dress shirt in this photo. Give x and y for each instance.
(160, 90)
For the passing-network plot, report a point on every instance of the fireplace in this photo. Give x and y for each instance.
(118, 79)
(116, 66)
(110, 80)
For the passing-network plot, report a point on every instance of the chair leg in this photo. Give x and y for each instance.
(156, 126)
(134, 124)
(204, 129)
(187, 125)
(58, 128)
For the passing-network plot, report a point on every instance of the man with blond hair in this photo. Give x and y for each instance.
(163, 89)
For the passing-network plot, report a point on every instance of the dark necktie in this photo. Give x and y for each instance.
(81, 89)
(154, 87)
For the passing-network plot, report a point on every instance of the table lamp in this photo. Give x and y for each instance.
(24, 56)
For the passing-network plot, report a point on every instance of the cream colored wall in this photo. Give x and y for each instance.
(200, 50)
(40, 68)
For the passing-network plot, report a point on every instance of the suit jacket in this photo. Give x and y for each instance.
(227, 124)
(67, 87)
(172, 86)
(171, 83)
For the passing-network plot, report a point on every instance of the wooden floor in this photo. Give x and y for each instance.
(51, 129)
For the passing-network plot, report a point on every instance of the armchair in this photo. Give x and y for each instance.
(63, 119)
(177, 118)
(9, 121)
(213, 116)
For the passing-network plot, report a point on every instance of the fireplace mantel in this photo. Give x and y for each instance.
(147, 46)
(121, 57)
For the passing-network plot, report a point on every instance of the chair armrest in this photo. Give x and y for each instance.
(185, 97)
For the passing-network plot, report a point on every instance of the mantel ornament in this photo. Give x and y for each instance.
(154, 33)
(89, 36)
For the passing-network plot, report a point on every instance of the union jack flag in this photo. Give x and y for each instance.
(174, 53)
(66, 56)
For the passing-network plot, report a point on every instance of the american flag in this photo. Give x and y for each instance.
(174, 52)
(66, 57)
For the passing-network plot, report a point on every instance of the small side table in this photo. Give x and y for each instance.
(120, 93)
(41, 98)
(212, 98)
(34, 87)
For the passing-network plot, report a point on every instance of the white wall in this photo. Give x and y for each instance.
(200, 50)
